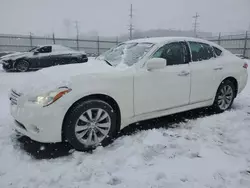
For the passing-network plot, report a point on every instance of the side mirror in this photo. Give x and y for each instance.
(156, 63)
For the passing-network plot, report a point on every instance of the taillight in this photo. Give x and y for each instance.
(245, 65)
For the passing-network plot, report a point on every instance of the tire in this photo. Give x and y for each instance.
(226, 94)
(78, 125)
(22, 66)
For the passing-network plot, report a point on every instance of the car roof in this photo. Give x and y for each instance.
(160, 40)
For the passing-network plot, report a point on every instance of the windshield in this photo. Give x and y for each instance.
(126, 53)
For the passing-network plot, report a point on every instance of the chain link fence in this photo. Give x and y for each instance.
(92, 47)
(236, 43)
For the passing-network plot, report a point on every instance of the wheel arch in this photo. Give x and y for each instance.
(106, 98)
(233, 80)
(16, 61)
(20, 59)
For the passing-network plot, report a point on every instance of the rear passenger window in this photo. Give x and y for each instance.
(217, 51)
(208, 52)
(201, 51)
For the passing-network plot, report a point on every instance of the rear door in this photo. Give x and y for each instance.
(206, 72)
(61, 55)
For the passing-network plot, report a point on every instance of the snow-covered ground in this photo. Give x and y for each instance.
(211, 151)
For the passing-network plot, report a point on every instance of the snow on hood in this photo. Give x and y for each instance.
(51, 78)
(10, 55)
(14, 55)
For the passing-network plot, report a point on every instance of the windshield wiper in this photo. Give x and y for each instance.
(103, 59)
(108, 62)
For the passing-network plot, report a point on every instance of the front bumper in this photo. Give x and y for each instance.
(42, 124)
(84, 59)
(7, 66)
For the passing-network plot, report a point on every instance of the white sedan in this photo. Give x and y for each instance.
(136, 80)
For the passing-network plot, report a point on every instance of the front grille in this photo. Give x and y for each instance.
(14, 97)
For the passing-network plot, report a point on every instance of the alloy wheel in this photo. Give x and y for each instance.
(22, 66)
(225, 97)
(92, 126)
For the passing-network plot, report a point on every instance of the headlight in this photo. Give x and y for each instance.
(50, 97)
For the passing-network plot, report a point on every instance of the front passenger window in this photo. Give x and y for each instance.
(45, 49)
(174, 53)
(158, 53)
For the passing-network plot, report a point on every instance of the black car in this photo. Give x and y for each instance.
(41, 57)
(241, 56)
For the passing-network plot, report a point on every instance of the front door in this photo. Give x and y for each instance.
(45, 58)
(165, 88)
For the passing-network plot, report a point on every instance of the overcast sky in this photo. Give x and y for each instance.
(111, 17)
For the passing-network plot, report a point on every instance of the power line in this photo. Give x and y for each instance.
(131, 27)
(195, 25)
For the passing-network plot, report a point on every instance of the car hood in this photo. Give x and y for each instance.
(51, 78)
(15, 55)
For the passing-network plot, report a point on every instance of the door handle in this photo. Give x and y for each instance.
(183, 73)
(218, 68)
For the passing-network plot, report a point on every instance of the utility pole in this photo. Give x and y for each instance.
(31, 44)
(131, 27)
(77, 29)
(195, 25)
(77, 35)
